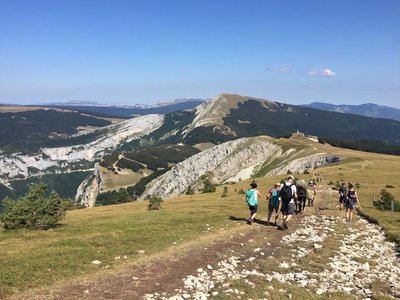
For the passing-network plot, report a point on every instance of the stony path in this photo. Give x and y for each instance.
(323, 256)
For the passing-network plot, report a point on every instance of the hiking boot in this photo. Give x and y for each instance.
(285, 226)
(249, 221)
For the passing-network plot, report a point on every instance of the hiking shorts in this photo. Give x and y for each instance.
(351, 205)
(342, 199)
(272, 208)
(287, 208)
(253, 208)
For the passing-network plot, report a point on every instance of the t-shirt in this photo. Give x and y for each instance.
(251, 197)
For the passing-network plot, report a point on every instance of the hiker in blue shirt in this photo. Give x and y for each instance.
(273, 202)
(252, 196)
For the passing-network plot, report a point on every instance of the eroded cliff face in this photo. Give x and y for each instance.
(232, 161)
(53, 160)
(89, 189)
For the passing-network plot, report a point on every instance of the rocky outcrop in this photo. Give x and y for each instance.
(231, 162)
(88, 190)
(302, 164)
(220, 162)
(59, 159)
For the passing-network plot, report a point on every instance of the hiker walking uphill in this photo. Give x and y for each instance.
(288, 194)
(301, 187)
(352, 202)
(311, 193)
(273, 202)
(252, 196)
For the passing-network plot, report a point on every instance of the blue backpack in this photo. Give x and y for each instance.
(274, 200)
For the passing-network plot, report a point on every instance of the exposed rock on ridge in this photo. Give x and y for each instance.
(24, 166)
(231, 161)
(223, 161)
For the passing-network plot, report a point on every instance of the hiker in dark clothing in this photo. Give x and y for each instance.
(342, 195)
(301, 198)
(352, 202)
(287, 194)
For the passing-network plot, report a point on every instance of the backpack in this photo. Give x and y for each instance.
(274, 201)
(286, 193)
(301, 191)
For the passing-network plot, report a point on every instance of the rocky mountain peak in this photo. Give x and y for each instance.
(212, 112)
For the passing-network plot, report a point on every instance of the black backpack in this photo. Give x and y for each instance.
(286, 193)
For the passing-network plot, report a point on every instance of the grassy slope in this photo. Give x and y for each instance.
(32, 259)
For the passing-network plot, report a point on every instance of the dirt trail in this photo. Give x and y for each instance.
(319, 256)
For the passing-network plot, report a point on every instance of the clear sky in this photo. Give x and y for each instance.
(115, 51)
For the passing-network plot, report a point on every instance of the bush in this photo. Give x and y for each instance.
(190, 190)
(241, 191)
(34, 210)
(225, 192)
(155, 202)
(385, 202)
(208, 186)
(389, 186)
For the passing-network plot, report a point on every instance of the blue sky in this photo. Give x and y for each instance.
(114, 51)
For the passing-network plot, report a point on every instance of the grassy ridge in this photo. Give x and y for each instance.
(32, 259)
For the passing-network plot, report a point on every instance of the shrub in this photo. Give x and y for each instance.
(155, 202)
(34, 210)
(190, 190)
(225, 192)
(385, 202)
(208, 186)
(241, 191)
(306, 171)
(389, 186)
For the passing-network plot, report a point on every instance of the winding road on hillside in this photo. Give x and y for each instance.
(320, 256)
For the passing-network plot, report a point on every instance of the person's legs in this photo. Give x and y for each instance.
(347, 214)
(350, 215)
(290, 212)
(270, 210)
(276, 213)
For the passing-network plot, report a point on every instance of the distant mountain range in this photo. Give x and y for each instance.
(128, 111)
(367, 110)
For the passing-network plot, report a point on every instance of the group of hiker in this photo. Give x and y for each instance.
(291, 196)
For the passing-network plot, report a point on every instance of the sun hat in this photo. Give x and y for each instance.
(278, 184)
(290, 177)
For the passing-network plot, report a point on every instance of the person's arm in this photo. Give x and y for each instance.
(258, 194)
(358, 201)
